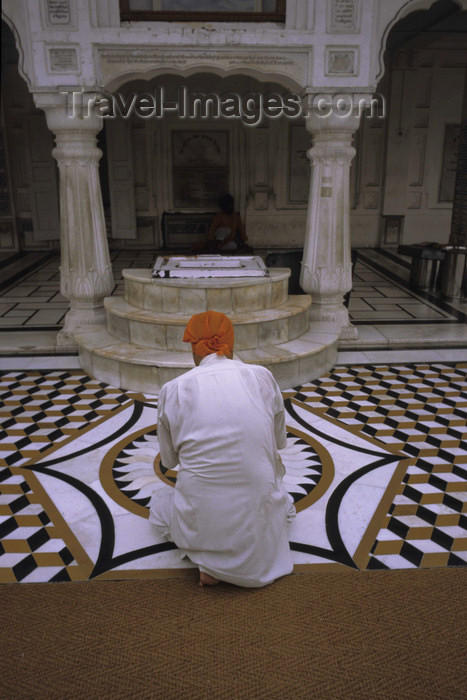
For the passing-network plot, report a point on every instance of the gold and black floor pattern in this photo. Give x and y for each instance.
(421, 410)
(376, 462)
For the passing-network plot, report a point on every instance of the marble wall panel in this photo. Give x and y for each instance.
(219, 300)
(279, 292)
(151, 297)
(142, 378)
(140, 157)
(150, 335)
(414, 200)
(373, 153)
(106, 369)
(133, 293)
(300, 14)
(7, 235)
(246, 336)
(85, 360)
(417, 159)
(273, 332)
(118, 326)
(371, 199)
(250, 298)
(297, 325)
(192, 301)
(175, 338)
(170, 300)
(421, 118)
(315, 365)
(286, 374)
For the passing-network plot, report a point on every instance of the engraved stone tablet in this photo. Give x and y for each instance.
(341, 62)
(63, 60)
(343, 16)
(202, 266)
(58, 11)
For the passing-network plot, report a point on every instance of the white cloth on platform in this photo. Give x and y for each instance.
(223, 423)
(221, 234)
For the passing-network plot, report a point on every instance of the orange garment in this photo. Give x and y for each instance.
(210, 332)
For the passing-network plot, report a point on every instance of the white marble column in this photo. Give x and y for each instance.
(326, 268)
(85, 271)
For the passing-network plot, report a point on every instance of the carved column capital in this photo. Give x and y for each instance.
(337, 111)
(76, 145)
(328, 152)
(70, 109)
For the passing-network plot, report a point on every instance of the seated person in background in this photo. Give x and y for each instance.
(227, 231)
(223, 422)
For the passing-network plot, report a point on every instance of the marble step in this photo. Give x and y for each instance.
(136, 368)
(164, 331)
(189, 296)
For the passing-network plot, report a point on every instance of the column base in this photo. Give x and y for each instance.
(332, 310)
(348, 332)
(78, 318)
(66, 341)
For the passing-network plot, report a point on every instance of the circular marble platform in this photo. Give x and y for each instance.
(188, 296)
(141, 346)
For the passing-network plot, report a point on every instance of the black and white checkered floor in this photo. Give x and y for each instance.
(376, 458)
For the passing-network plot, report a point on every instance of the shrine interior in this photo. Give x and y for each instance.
(360, 227)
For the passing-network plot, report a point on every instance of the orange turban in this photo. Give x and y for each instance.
(210, 332)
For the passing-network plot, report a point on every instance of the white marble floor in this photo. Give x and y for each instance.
(376, 457)
(389, 314)
(30, 296)
(376, 463)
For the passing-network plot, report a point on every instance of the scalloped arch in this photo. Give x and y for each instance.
(407, 8)
(125, 77)
(22, 60)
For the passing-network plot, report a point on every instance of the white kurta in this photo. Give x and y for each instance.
(223, 422)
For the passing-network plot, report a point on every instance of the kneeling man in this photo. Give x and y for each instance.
(223, 422)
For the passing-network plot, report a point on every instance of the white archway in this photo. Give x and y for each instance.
(388, 20)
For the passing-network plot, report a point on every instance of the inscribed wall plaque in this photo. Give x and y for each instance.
(343, 16)
(63, 60)
(341, 61)
(58, 12)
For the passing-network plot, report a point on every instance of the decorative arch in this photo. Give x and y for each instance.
(21, 54)
(407, 7)
(125, 77)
